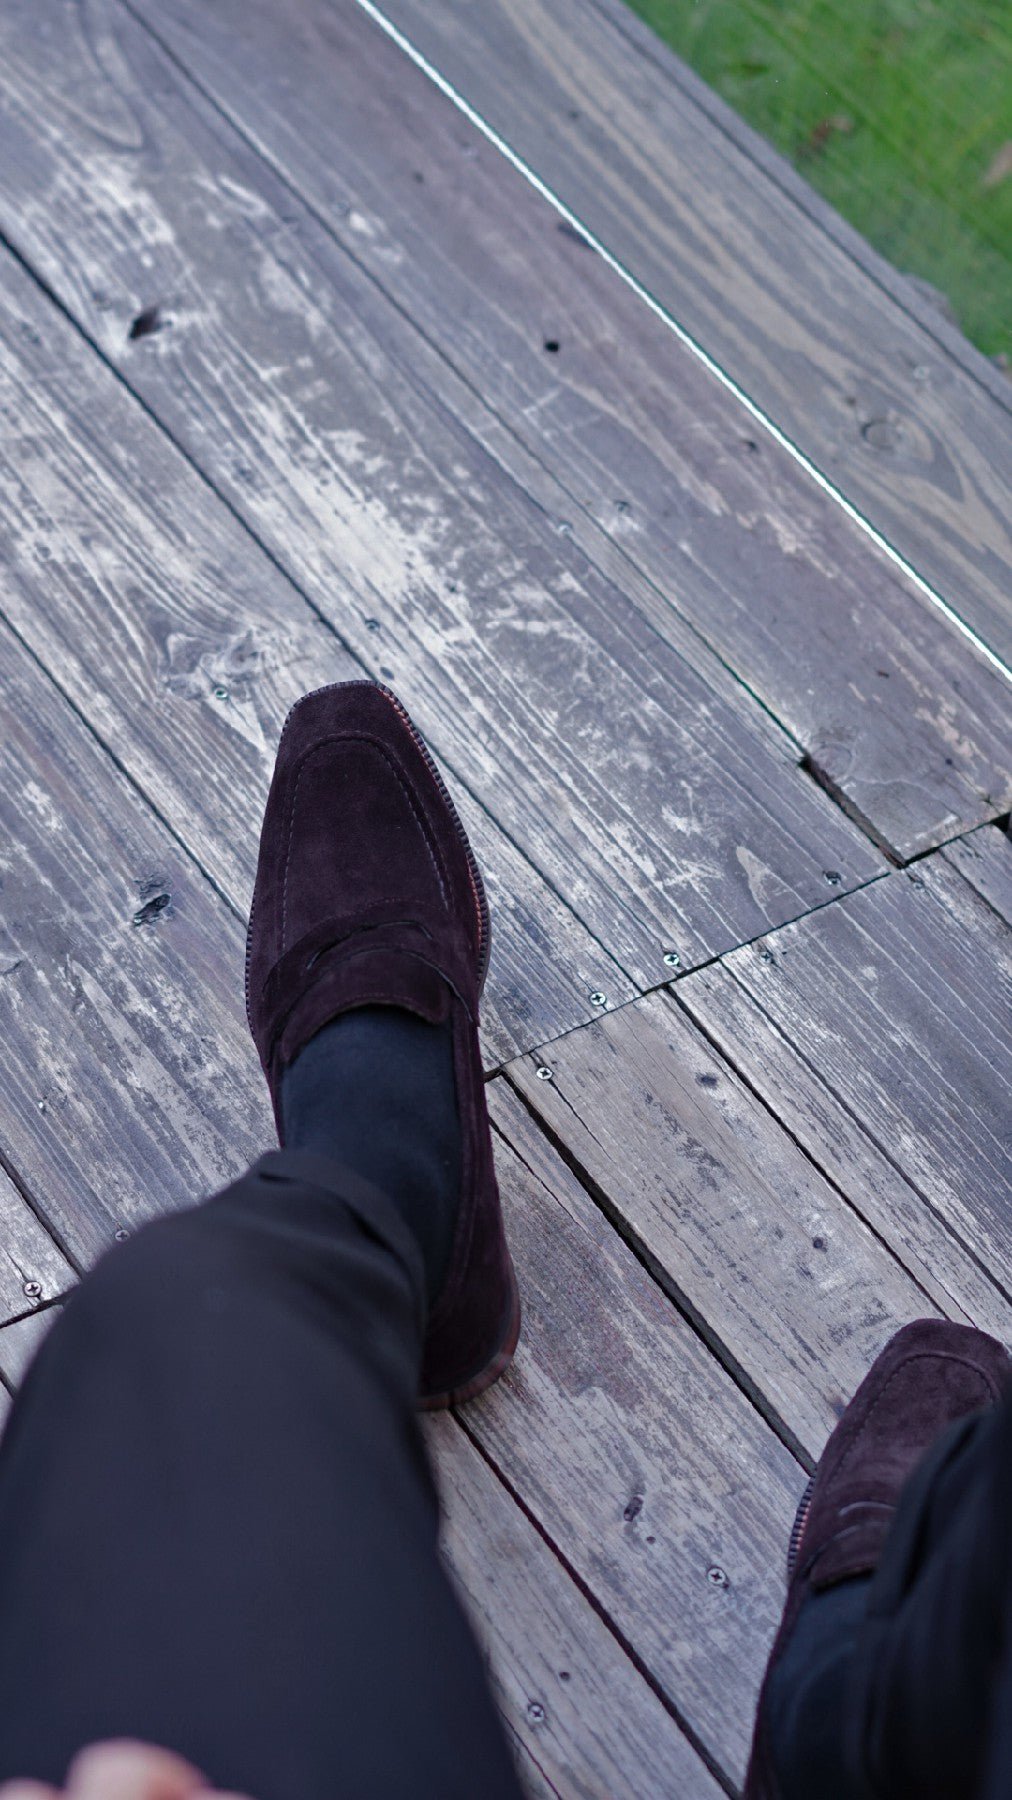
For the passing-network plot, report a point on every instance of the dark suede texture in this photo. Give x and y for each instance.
(932, 1373)
(366, 894)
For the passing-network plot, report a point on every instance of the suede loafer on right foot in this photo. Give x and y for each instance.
(367, 893)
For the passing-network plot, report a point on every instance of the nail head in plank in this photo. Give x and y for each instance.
(795, 1092)
(32, 1266)
(898, 999)
(891, 705)
(568, 1690)
(779, 1273)
(647, 1469)
(168, 627)
(643, 799)
(820, 346)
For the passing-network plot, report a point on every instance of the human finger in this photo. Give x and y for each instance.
(124, 1770)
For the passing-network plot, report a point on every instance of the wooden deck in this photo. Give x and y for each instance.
(480, 350)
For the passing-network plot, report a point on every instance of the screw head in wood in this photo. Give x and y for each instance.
(672, 959)
(598, 999)
(121, 1235)
(716, 1576)
(544, 1073)
(32, 1290)
(221, 693)
(833, 876)
(766, 956)
(535, 1711)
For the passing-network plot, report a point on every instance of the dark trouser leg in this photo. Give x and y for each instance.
(898, 1686)
(217, 1524)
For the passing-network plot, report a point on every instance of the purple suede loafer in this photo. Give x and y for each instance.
(367, 893)
(930, 1375)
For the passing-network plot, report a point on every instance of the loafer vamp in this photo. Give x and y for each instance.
(932, 1373)
(361, 856)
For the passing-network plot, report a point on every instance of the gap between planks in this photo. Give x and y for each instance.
(690, 343)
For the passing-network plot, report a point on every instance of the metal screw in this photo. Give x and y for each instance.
(535, 1711)
(833, 876)
(221, 693)
(122, 1234)
(544, 1073)
(672, 959)
(564, 528)
(598, 999)
(716, 1576)
(32, 1290)
(766, 956)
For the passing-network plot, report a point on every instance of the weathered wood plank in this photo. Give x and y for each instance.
(135, 1036)
(167, 626)
(32, 1267)
(589, 1722)
(19, 1342)
(985, 859)
(794, 1090)
(899, 1000)
(914, 442)
(584, 1719)
(664, 816)
(784, 1279)
(909, 295)
(129, 1077)
(656, 461)
(646, 1467)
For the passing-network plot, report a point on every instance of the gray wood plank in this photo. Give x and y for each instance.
(134, 1036)
(19, 1342)
(793, 1088)
(167, 626)
(662, 815)
(985, 859)
(130, 1079)
(32, 1266)
(909, 295)
(647, 1469)
(591, 1725)
(917, 445)
(899, 1000)
(584, 1719)
(784, 1279)
(713, 522)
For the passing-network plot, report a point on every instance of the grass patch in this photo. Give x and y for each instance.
(898, 111)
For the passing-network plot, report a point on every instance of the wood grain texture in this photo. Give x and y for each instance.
(899, 1000)
(32, 1266)
(19, 1342)
(130, 1081)
(133, 1087)
(783, 1278)
(917, 445)
(908, 295)
(167, 626)
(984, 858)
(590, 1724)
(713, 522)
(950, 1274)
(664, 816)
(645, 1466)
(583, 1718)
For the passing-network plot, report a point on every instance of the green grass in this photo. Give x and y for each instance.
(895, 110)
